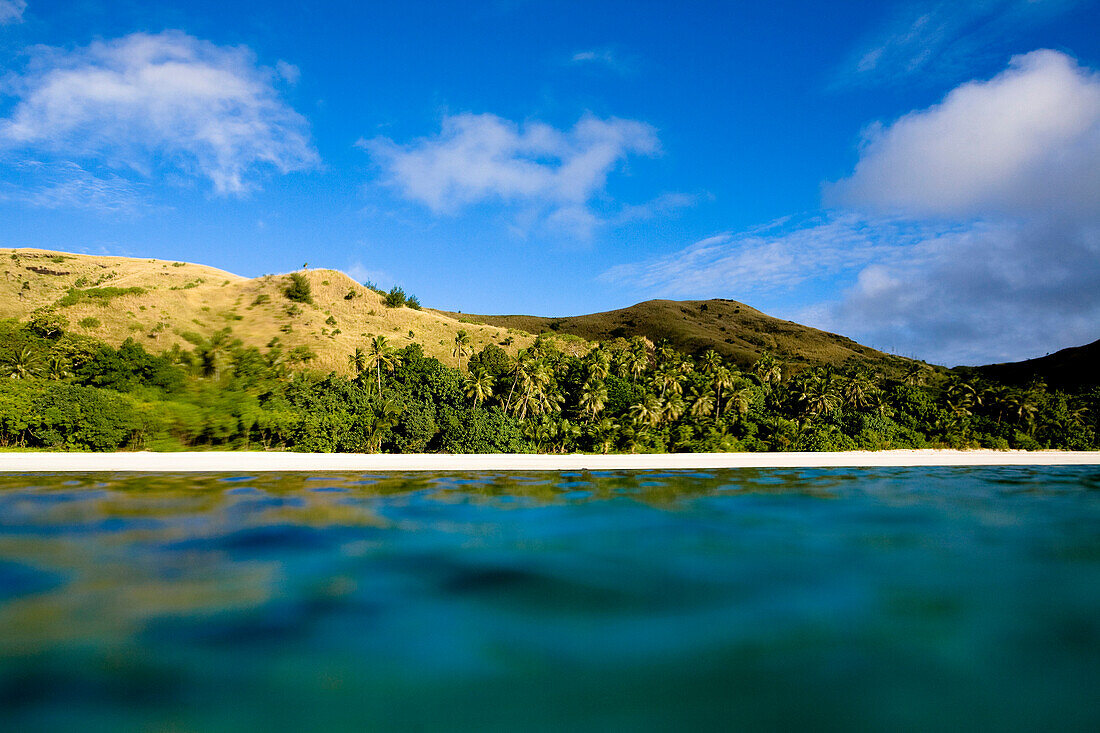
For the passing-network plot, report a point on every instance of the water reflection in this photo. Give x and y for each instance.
(754, 597)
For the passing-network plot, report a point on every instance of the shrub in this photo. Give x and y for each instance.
(89, 322)
(83, 418)
(301, 354)
(102, 295)
(413, 302)
(298, 288)
(395, 298)
(371, 286)
(493, 360)
(48, 324)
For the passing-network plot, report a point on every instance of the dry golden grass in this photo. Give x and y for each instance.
(184, 298)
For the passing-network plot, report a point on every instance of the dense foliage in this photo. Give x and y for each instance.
(67, 391)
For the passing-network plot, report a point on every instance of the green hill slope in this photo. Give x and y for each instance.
(732, 329)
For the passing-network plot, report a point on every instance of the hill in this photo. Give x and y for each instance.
(161, 304)
(733, 329)
(1077, 367)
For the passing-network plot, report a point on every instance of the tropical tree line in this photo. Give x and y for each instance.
(67, 391)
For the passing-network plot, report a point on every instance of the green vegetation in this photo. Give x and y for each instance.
(395, 298)
(737, 332)
(298, 288)
(103, 296)
(67, 391)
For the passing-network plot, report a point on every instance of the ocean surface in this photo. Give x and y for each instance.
(880, 599)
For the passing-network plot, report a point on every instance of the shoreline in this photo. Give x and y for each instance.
(234, 461)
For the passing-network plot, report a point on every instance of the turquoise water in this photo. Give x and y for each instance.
(881, 599)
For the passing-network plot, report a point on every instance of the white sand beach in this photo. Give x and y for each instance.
(251, 462)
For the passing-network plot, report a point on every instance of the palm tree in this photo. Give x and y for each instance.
(674, 408)
(768, 370)
(961, 398)
(211, 354)
(856, 390)
(740, 401)
(647, 412)
(666, 354)
(566, 435)
(711, 361)
(667, 381)
(603, 433)
(24, 364)
(702, 404)
(381, 355)
(722, 378)
(57, 367)
(915, 374)
(519, 373)
(1024, 405)
(276, 363)
(358, 361)
(599, 364)
(479, 385)
(817, 394)
(999, 401)
(385, 417)
(463, 348)
(636, 361)
(593, 398)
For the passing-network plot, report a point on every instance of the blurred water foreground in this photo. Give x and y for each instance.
(828, 599)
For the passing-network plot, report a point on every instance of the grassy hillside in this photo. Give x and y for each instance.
(160, 303)
(732, 329)
(1073, 368)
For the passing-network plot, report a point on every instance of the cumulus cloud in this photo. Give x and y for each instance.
(968, 232)
(997, 292)
(168, 102)
(554, 174)
(1026, 141)
(1019, 153)
(11, 11)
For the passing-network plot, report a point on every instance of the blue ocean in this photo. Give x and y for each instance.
(896, 599)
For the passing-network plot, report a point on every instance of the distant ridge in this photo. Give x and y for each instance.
(733, 329)
(1072, 368)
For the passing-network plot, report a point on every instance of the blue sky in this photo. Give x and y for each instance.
(920, 176)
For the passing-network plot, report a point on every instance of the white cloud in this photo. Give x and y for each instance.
(289, 72)
(933, 39)
(999, 292)
(950, 293)
(776, 257)
(169, 101)
(360, 273)
(978, 238)
(1025, 142)
(601, 57)
(479, 158)
(11, 11)
(68, 185)
(1020, 152)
